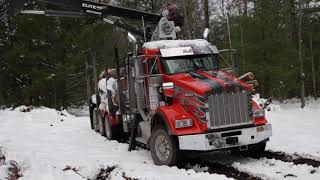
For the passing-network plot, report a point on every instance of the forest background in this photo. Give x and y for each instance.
(44, 61)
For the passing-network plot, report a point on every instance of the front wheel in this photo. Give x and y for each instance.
(164, 148)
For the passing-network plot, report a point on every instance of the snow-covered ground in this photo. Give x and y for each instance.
(48, 144)
(275, 169)
(44, 142)
(295, 130)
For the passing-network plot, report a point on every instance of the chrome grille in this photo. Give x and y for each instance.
(230, 109)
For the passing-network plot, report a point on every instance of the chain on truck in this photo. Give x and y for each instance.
(173, 96)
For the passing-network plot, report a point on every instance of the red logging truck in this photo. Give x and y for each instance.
(174, 97)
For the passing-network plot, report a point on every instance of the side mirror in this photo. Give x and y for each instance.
(134, 42)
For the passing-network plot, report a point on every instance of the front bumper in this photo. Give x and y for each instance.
(225, 139)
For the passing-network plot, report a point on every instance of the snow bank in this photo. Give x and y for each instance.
(81, 111)
(46, 143)
(3, 172)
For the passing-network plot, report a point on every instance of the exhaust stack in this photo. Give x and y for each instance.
(138, 81)
(206, 33)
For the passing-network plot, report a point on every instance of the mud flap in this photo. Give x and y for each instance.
(132, 139)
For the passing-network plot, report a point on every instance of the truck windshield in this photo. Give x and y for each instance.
(173, 65)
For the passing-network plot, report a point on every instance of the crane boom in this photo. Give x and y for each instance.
(12, 7)
(81, 8)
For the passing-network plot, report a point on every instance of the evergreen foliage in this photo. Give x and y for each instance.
(42, 60)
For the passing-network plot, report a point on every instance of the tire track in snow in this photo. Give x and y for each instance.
(264, 168)
(247, 168)
(276, 169)
(272, 165)
(296, 159)
(218, 168)
(256, 169)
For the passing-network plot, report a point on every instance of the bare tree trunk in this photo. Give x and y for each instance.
(95, 74)
(243, 58)
(314, 83)
(245, 7)
(302, 75)
(186, 19)
(318, 92)
(228, 29)
(195, 19)
(243, 15)
(206, 13)
(88, 80)
(222, 8)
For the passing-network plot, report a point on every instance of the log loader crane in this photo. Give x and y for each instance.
(173, 96)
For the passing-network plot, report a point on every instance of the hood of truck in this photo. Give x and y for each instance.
(206, 82)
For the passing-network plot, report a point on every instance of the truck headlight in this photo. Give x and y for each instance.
(184, 123)
(258, 113)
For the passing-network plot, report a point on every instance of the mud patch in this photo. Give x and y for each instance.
(216, 168)
(128, 178)
(290, 175)
(104, 173)
(11, 167)
(74, 169)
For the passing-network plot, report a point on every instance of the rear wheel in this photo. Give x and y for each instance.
(164, 148)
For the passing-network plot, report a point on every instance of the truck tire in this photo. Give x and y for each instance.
(109, 131)
(101, 125)
(164, 148)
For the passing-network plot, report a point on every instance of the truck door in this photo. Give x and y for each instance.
(154, 80)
